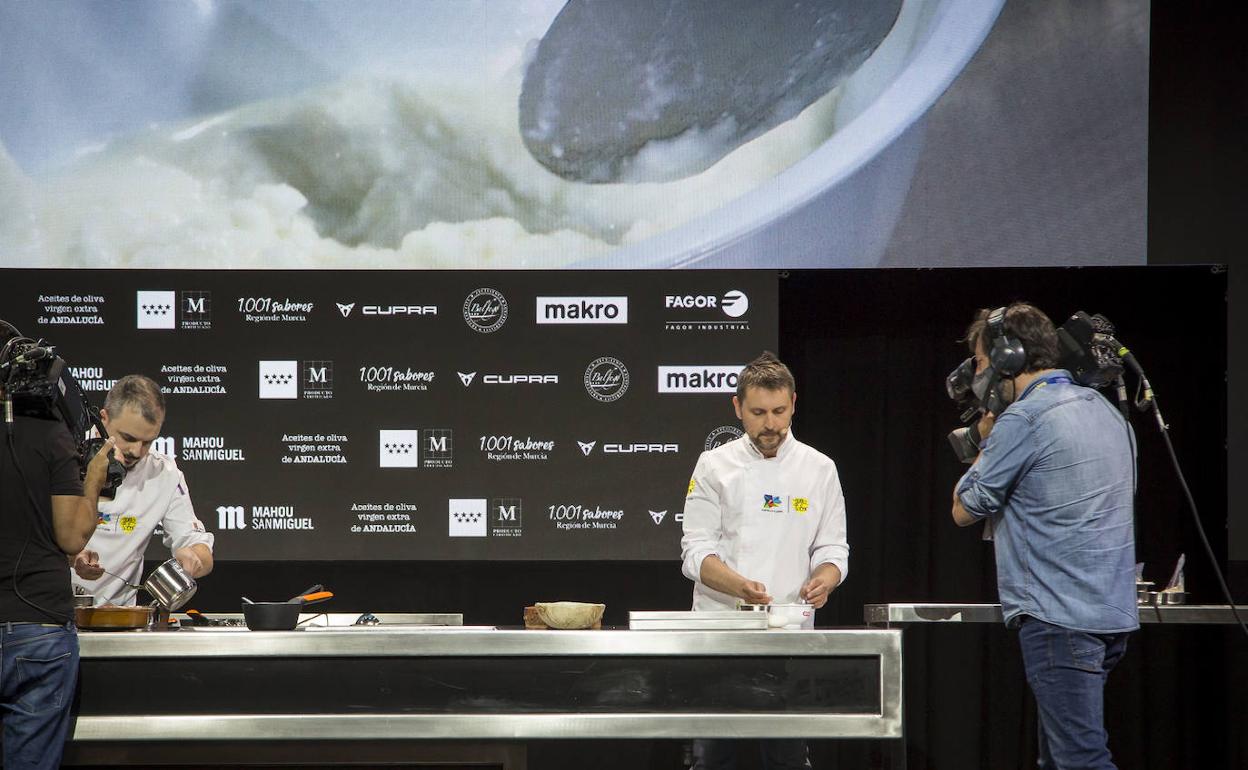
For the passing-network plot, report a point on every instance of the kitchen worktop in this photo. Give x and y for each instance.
(905, 613)
(402, 682)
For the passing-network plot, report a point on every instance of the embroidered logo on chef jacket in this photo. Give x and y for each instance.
(128, 523)
(773, 503)
(105, 522)
(800, 504)
(692, 485)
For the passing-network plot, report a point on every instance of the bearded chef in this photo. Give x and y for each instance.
(153, 493)
(764, 522)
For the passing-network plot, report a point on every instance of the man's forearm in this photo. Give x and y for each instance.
(719, 576)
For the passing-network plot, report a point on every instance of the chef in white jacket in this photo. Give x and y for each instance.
(764, 523)
(154, 493)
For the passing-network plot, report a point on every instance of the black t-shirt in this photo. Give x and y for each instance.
(49, 461)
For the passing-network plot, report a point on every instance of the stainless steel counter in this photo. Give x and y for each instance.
(884, 615)
(487, 684)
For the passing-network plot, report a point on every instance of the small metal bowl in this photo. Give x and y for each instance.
(1170, 598)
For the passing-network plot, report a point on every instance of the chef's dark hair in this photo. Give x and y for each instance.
(142, 393)
(1025, 323)
(765, 372)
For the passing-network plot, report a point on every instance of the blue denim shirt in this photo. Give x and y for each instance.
(1057, 475)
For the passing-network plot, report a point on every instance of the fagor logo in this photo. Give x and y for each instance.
(699, 379)
(582, 310)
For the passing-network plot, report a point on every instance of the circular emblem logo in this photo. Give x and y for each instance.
(722, 435)
(485, 310)
(606, 379)
(735, 303)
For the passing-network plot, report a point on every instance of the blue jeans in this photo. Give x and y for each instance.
(776, 754)
(38, 672)
(1066, 671)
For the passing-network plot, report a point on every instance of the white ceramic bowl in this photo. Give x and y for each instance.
(798, 615)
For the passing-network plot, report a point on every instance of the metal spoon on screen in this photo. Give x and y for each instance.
(654, 90)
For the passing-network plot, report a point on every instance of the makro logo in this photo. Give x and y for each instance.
(231, 517)
(485, 310)
(722, 435)
(631, 449)
(606, 379)
(699, 379)
(154, 309)
(733, 303)
(582, 310)
(466, 517)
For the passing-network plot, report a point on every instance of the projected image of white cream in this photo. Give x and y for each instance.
(375, 171)
(389, 169)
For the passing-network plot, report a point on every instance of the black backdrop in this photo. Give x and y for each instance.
(870, 350)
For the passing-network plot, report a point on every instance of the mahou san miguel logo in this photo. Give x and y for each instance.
(485, 310)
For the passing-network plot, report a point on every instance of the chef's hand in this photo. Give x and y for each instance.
(822, 582)
(190, 561)
(86, 565)
(754, 592)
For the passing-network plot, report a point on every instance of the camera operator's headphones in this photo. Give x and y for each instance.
(1006, 353)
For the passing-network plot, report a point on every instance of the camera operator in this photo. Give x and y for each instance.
(153, 493)
(46, 512)
(1055, 477)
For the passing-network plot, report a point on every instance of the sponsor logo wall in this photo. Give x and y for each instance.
(420, 415)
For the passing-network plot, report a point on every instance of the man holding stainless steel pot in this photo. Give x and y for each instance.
(153, 493)
(46, 511)
(764, 522)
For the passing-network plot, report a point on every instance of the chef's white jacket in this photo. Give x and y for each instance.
(773, 520)
(153, 493)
